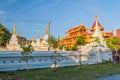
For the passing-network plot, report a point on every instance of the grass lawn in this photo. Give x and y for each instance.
(86, 72)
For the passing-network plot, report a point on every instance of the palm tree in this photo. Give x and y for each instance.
(80, 42)
(27, 54)
(53, 42)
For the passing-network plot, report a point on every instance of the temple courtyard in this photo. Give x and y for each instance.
(85, 72)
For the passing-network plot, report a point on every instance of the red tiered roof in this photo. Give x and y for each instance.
(94, 25)
(108, 34)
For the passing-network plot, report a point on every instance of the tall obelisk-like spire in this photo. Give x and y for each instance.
(47, 31)
(14, 30)
(49, 28)
(38, 35)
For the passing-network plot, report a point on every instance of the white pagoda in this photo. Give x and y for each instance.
(13, 43)
(41, 44)
(33, 42)
(44, 43)
(37, 45)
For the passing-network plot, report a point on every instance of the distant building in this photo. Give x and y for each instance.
(118, 33)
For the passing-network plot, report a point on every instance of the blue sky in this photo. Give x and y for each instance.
(32, 16)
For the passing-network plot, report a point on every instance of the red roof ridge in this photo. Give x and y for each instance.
(94, 25)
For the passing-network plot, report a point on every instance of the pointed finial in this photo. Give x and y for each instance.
(33, 38)
(112, 30)
(14, 30)
(82, 24)
(39, 35)
(47, 31)
(96, 17)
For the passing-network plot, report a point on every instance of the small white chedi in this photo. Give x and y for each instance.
(13, 43)
(41, 44)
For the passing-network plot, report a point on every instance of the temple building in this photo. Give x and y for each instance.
(95, 31)
(13, 43)
(72, 35)
(118, 33)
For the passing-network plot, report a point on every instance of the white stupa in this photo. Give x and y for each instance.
(13, 43)
(98, 33)
(38, 40)
(33, 42)
(37, 45)
(44, 43)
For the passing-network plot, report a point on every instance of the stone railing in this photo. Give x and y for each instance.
(43, 59)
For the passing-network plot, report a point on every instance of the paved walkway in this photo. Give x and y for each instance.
(112, 77)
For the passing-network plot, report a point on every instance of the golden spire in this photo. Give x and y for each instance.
(14, 30)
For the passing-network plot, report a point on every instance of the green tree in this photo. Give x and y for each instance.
(80, 42)
(27, 54)
(113, 44)
(21, 40)
(96, 39)
(73, 48)
(53, 42)
(4, 35)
